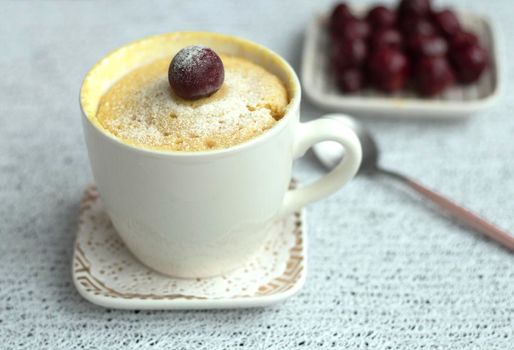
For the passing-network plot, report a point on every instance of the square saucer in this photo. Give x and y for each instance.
(107, 274)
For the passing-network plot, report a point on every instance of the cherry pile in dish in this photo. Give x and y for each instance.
(414, 46)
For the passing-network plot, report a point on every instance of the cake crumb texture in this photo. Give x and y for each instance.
(141, 108)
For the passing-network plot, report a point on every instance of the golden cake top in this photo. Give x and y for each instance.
(141, 108)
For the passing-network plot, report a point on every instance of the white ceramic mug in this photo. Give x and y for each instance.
(197, 214)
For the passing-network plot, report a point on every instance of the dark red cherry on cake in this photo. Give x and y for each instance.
(348, 53)
(447, 22)
(350, 80)
(387, 37)
(380, 17)
(196, 72)
(427, 46)
(414, 8)
(388, 69)
(470, 62)
(433, 75)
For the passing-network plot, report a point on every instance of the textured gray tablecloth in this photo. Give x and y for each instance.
(385, 271)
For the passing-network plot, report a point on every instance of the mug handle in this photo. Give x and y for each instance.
(310, 133)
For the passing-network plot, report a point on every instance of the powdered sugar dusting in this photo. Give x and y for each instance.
(142, 109)
(189, 57)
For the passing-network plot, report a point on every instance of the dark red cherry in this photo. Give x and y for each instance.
(348, 53)
(386, 38)
(350, 80)
(433, 75)
(470, 62)
(427, 46)
(414, 7)
(353, 29)
(196, 72)
(462, 39)
(447, 22)
(413, 25)
(381, 17)
(388, 69)
(340, 13)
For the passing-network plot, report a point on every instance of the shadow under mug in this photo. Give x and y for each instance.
(199, 214)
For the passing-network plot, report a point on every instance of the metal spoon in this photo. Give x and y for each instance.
(330, 153)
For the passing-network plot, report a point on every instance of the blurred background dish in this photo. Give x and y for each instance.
(348, 91)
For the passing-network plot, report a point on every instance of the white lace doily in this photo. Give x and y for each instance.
(104, 266)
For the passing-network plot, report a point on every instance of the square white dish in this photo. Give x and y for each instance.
(457, 101)
(107, 274)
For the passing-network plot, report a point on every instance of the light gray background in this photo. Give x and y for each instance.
(386, 270)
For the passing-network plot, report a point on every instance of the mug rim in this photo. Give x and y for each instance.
(292, 106)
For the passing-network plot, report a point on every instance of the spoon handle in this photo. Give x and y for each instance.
(466, 216)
